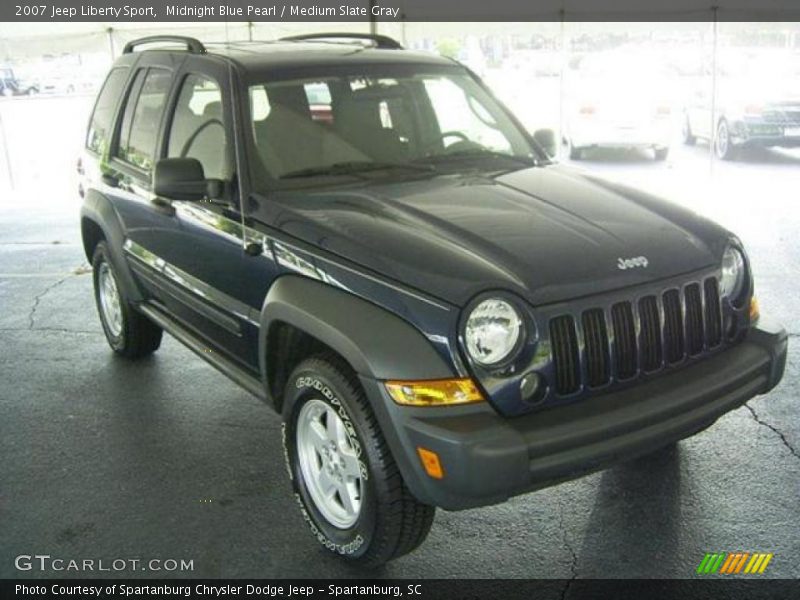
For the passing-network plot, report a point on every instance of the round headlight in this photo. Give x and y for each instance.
(733, 274)
(492, 331)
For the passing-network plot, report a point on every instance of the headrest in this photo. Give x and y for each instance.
(291, 97)
(213, 110)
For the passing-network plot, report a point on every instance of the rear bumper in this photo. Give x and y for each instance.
(611, 135)
(488, 458)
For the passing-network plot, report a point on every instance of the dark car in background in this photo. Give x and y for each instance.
(10, 85)
(441, 315)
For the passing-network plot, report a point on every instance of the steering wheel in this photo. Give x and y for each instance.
(463, 141)
(457, 134)
(191, 139)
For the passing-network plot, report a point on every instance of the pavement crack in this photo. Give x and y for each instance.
(570, 549)
(38, 298)
(777, 431)
(50, 330)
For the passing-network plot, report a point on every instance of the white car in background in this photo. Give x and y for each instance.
(618, 99)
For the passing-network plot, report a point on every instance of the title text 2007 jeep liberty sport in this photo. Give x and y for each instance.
(368, 240)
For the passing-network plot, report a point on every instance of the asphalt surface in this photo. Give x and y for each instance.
(165, 458)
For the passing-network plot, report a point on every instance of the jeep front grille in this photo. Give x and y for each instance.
(596, 341)
(565, 354)
(632, 337)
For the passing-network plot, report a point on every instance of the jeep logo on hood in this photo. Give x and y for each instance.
(630, 263)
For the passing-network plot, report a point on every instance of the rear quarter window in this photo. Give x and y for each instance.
(142, 118)
(100, 124)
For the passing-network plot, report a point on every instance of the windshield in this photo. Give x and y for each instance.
(358, 125)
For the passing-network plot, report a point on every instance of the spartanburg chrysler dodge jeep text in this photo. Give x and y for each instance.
(368, 240)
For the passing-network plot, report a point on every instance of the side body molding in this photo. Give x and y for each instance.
(378, 344)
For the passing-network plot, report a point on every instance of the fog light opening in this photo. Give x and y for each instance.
(531, 388)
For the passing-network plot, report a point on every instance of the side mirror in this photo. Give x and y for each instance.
(184, 179)
(546, 138)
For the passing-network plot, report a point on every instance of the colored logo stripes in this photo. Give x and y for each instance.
(732, 563)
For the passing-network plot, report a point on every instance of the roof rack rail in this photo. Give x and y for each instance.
(381, 41)
(193, 45)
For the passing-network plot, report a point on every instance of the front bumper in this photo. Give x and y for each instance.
(488, 458)
(746, 133)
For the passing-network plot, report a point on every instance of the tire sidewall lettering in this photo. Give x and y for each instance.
(303, 384)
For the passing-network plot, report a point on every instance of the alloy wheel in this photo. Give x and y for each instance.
(329, 464)
(109, 300)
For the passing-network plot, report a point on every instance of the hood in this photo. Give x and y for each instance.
(546, 233)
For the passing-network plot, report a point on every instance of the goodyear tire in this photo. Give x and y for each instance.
(129, 333)
(348, 486)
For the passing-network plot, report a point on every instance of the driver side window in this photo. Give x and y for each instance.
(198, 129)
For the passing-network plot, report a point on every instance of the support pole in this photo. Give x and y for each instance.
(6, 153)
(373, 23)
(112, 51)
(562, 68)
(713, 117)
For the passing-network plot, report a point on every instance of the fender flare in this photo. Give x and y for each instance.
(377, 343)
(99, 210)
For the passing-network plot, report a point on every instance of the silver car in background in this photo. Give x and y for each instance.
(757, 104)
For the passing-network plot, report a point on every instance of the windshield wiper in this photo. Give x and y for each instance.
(353, 168)
(479, 153)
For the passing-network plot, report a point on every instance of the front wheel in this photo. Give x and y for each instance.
(661, 153)
(348, 486)
(574, 152)
(129, 333)
(689, 138)
(723, 145)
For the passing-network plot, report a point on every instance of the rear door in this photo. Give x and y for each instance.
(127, 178)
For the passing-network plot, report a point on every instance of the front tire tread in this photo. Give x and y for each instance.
(404, 522)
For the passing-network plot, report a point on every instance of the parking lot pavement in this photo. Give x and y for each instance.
(165, 458)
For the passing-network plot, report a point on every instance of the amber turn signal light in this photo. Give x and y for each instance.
(430, 462)
(754, 312)
(435, 392)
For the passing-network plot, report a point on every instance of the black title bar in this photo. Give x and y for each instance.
(386, 589)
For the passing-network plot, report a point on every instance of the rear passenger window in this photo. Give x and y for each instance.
(198, 129)
(143, 112)
(100, 123)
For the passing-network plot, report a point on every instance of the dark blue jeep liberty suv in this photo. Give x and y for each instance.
(365, 238)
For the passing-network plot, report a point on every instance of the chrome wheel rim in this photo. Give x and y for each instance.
(329, 464)
(722, 139)
(109, 300)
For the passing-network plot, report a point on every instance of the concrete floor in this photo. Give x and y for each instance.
(165, 458)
